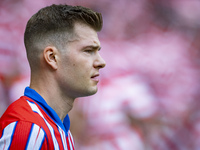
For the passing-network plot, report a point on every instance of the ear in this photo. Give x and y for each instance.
(50, 55)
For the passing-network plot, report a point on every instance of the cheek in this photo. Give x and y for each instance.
(76, 67)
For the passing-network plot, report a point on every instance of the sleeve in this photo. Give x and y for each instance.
(22, 135)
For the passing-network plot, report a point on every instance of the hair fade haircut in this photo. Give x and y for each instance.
(54, 24)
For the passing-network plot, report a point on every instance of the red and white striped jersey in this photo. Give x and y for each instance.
(29, 123)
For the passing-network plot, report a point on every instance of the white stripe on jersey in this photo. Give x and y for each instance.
(6, 138)
(36, 138)
(55, 142)
(36, 109)
(63, 137)
(70, 138)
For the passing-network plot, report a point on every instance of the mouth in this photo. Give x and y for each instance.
(95, 77)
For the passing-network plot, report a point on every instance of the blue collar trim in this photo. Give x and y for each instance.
(65, 125)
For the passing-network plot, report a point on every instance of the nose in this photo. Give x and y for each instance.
(99, 62)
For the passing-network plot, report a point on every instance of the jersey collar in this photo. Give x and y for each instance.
(31, 93)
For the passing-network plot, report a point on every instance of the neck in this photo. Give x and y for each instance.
(52, 94)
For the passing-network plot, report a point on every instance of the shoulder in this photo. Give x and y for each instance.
(20, 126)
(17, 111)
(22, 135)
(24, 110)
(25, 122)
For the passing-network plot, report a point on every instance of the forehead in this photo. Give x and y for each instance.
(85, 34)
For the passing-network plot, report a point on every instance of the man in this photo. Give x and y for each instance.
(63, 52)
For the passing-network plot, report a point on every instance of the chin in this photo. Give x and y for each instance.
(91, 92)
(86, 93)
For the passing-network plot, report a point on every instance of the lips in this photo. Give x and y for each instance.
(95, 77)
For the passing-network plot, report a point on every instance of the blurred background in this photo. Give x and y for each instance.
(149, 92)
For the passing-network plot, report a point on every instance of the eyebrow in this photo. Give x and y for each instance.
(93, 47)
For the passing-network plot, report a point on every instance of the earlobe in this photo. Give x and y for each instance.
(50, 56)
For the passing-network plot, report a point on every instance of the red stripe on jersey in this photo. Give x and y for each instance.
(58, 136)
(21, 135)
(68, 146)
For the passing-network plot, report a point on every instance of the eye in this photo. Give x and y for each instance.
(90, 51)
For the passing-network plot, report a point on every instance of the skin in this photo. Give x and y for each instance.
(71, 72)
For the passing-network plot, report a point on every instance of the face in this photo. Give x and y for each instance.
(79, 63)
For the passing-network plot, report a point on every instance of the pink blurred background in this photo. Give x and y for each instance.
(148, 96)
